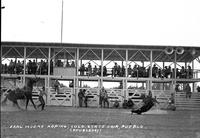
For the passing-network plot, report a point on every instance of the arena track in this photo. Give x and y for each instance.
(78, 122)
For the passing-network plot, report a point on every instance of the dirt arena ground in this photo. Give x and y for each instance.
(58, 122)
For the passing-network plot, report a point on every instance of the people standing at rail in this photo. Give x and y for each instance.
(182, 72)
(73, 64)
(89, 69)
(82, 70)
(114, 72)
(129, 70)
(11, 67)
(34, 67)
(95, 70)
(99, 71)
(135, 71)
(41, 94)
(154, 71)
(104, 71)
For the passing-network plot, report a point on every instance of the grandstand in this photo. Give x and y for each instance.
(136, 68)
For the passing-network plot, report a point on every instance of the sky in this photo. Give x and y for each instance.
(143, 22)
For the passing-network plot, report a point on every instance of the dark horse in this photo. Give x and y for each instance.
(24, 93)
(148, 102)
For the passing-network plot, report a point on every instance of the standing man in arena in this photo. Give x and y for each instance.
(41, 94)
(56, 86)
(101, 96)
(188, 91)
(105, 99)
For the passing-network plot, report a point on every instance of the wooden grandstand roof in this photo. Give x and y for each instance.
(158, 51)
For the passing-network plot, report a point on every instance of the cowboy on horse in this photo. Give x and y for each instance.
(24, 93)
(147, 103)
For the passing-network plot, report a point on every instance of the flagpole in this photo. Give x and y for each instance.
(61, 31)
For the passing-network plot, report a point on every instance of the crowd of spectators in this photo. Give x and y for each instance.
(60, 63)
(14, 67)
(137, 71)
(33, 67)
(92, 71)
(168, 72)
(114, 72)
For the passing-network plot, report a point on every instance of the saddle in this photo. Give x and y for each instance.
(20, 93)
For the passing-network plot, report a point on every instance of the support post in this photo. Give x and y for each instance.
(126, 80)
(48, 78)
(101, 68)
(24, 66)
(77, 60)
(151, 61)
(193, 84)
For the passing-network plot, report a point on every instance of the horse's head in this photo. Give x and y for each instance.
(31, 82)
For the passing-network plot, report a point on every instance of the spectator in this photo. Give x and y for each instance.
(29, 67)
(104, 71)
(95, 70)
(67, 64)
(71, 85)
(169, 72)
(188, 91)
(89, 69)
(51, 67)
(135, 71)
(82, 70)
(129, 70)
(114, 72)
(182, 72)
(19, 67)
(123, 71)
(73, 64)
(99, 71)
(118, 70)
(177, 73)
(6, 69)
(154, 71)
(160, 73)
(189, 72)
(44, 68)
(34, 67)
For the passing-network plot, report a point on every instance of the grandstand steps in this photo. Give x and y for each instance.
(187, 104)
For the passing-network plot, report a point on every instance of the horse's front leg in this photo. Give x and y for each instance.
(27, 100)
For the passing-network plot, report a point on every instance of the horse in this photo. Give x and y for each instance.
(147, 103)
(24, 93)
